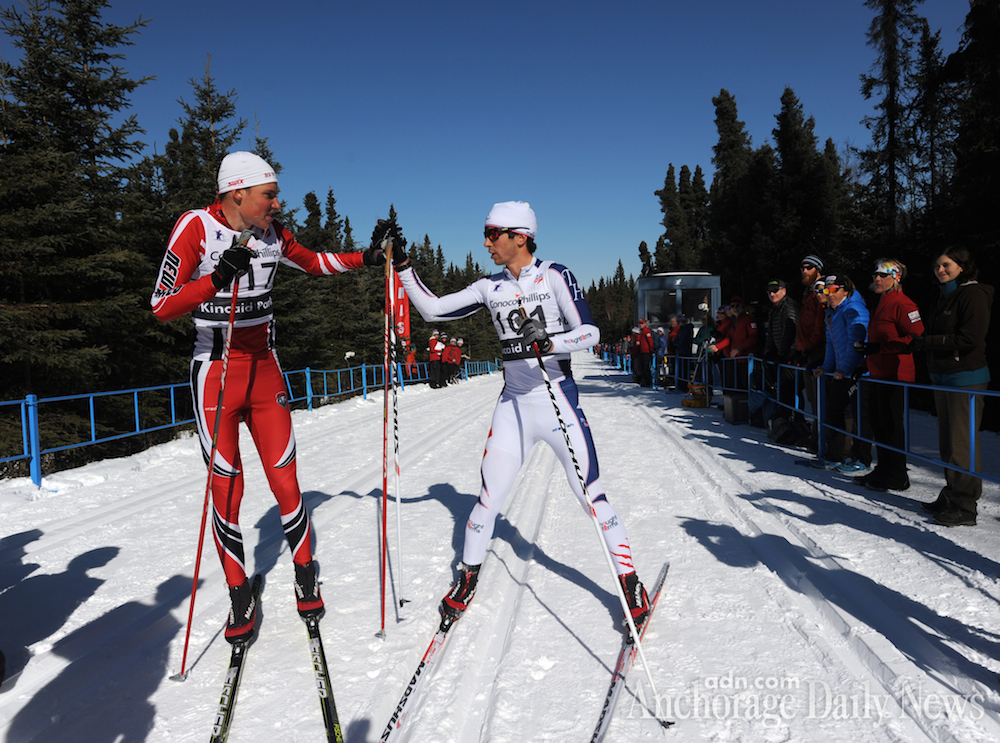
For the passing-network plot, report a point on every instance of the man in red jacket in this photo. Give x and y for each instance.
(434, 348)
(738, 343)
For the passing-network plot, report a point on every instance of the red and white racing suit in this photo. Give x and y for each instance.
(524, 414)
(254, 387)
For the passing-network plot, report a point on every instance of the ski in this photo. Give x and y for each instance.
(227, 700)
(323, 687)
(399, 716)
(626, 658)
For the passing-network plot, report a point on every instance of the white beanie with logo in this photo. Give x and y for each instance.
(243, 170)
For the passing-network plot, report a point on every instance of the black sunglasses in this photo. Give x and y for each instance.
(492, 233)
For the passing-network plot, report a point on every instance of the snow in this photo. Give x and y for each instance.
(798, 607)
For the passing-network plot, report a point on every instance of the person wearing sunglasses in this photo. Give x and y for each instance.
(810, 333)
(894, 323)
(846, 324)
(956, 357)
(537, 307)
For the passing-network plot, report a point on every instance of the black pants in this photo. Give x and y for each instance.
(887, 428)
(840, 401)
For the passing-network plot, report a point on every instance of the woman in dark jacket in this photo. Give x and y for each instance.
(956, 357)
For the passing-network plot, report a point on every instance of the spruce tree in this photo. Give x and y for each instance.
(70, 292)
(669, 207)
(732, 156)
(891, 35)
(193, 155)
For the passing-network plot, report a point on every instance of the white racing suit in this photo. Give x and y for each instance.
(524, 414)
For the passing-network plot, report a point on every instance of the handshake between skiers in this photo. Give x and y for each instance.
(387, 230)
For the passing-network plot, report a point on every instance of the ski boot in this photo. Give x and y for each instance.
(243, 616)
(638, 601)
(460, 596)
(310, 603)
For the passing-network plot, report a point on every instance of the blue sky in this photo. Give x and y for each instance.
(443, 108)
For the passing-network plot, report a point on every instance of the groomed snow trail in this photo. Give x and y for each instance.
(798, 607)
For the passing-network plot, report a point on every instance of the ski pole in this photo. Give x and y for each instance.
(395, 441)
(242, 242)
(594, 519)
(386, 373)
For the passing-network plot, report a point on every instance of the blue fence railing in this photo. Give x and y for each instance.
(746, 374)
(170, 404)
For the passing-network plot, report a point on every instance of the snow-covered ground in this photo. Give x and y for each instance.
(798, 607)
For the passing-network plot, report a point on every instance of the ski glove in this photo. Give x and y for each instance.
(387, 228)
(867, 348)
(373, 256)
(533, 331)
(234, 263)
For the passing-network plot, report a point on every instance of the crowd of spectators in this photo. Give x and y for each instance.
(835, 353)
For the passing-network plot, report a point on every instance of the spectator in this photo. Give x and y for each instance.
(956, 357)
(434, 349)
(661, 352)
(781, 323)
(644, 355)
(846, 324)
(451, 360)
(738, 343)
(682, 342)
(723, 324)
(810, 333)
(780, 343)
(895, 321)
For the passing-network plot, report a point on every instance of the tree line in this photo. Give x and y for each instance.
(929, 177)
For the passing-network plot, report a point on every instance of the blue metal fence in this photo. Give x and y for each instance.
(309, 386)
(745, 374)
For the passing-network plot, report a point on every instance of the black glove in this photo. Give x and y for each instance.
(917, 343)
(859, 372)
(373, 256)
(235, 262)
(387, 228)
(867, 348)
(532, 331)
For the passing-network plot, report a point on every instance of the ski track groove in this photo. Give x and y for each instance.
(865, 653)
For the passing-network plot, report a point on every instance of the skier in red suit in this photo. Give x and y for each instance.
(197, 274)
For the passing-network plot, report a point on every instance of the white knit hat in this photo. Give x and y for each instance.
(244, 169)
(518, 216)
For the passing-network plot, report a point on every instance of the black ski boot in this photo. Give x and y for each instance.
(243, 615)
(460, 596)
(310, 603)
(638, 601)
